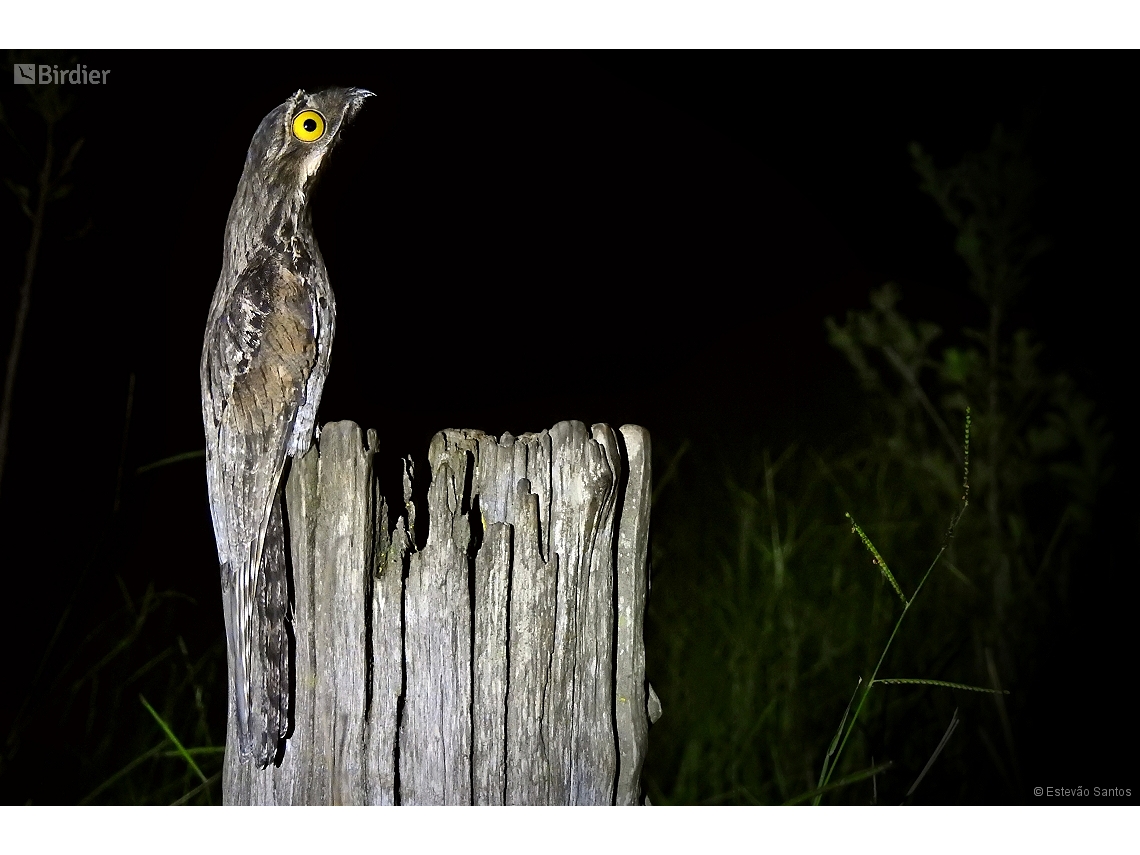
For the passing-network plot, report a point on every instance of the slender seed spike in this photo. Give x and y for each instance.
(877, 559)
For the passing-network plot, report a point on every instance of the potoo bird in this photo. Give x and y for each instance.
(264, 363)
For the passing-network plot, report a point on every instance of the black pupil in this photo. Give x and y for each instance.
(310, 125)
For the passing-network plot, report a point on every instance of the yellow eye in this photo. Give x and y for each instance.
(308, 126)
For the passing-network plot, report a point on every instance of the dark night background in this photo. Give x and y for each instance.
(691, 217)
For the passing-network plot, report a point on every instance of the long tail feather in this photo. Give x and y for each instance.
(273, 605)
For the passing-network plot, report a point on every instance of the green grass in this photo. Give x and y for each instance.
(762, 616)
(87, 706)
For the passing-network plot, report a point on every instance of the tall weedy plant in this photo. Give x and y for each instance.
(864, 687)
(1042, 450)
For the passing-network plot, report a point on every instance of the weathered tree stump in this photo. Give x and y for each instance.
(501, 663)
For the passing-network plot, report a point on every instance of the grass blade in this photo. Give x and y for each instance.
(825, 772)
(174, 739)
(146, 755)
(954, 722)
(185, 798)
(167, 461)
(853, 778)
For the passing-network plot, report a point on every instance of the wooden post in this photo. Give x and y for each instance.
(501, 663)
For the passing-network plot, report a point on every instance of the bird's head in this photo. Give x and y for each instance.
(292, 142)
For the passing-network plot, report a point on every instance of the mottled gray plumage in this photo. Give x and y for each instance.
(264, 362)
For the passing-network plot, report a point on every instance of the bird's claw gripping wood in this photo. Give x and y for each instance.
(264, 362)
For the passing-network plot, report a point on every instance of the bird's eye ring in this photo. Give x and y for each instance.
(308, 126)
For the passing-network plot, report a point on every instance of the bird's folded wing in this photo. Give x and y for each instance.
(257, 369)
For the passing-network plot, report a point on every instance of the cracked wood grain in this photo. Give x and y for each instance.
(501, 663)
